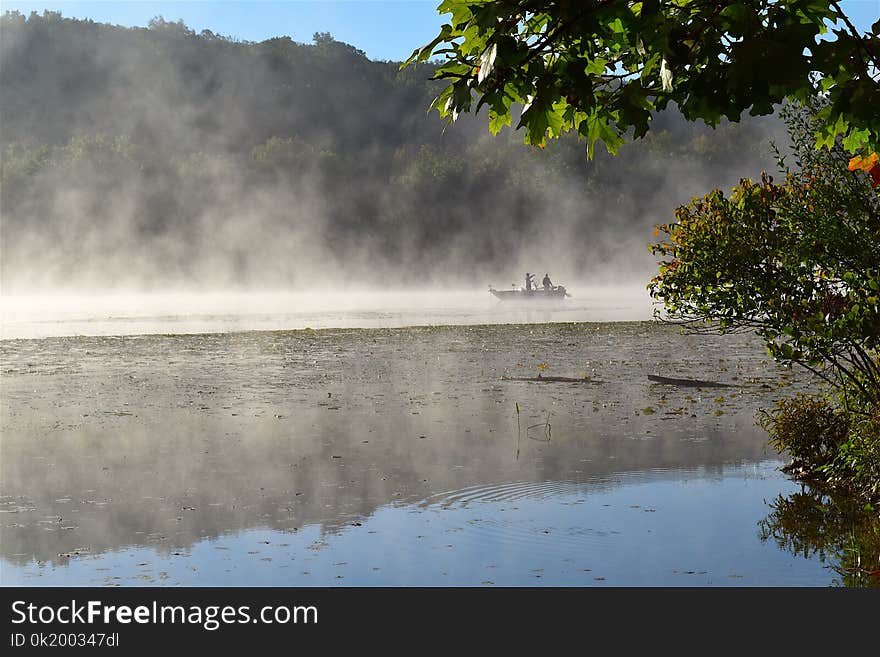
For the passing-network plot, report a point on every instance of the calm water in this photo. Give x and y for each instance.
(688, 528)
(403, 456)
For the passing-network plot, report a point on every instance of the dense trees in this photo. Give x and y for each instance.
(141, 150)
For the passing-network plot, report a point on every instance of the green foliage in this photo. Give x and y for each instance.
(828, 443)
(856, 464)
(809, 428)
(603, 67)
(101, 152)
(795, 261)
(292, 155)
(174, 89)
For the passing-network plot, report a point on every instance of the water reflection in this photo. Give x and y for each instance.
(154, 447)
(686, 529)
(837, 530)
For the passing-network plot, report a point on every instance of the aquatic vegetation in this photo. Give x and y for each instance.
(810, 429)
(828, 441)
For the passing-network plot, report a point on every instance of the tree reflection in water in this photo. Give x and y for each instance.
(842, 532)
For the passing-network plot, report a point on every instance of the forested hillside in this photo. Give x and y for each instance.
(158, 156)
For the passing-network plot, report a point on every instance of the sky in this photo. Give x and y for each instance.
(384, 29)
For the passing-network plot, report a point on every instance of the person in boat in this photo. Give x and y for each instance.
(529, 281)
(548, 284)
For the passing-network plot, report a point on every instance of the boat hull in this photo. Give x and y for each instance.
(531, 295)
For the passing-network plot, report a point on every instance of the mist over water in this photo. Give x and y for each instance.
(155, 159)
(133, 313)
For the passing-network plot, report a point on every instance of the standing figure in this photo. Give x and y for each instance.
(529, 281)
(548, 284)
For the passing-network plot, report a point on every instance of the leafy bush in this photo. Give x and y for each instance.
(809, 428)
(828, 443)
(856, 465)
(797, 263)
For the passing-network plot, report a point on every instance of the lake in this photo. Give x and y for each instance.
(144, 445)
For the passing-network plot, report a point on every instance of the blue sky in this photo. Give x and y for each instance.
(384, 29)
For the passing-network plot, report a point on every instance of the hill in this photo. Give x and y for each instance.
(158, 156)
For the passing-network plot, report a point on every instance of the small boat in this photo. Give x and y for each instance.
(556, 293)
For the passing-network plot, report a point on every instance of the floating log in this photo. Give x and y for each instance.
(549, 379)
(692, 383)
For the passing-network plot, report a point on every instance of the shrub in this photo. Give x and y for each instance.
(809, 428)
(856, 464)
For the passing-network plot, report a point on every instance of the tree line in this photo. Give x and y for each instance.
(153, 142)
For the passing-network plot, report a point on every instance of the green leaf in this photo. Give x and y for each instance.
(596, 66)
(595, 128)
(424, 53)
(498, 120)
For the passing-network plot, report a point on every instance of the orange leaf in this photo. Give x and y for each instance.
(859, 163)
(870, 165)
